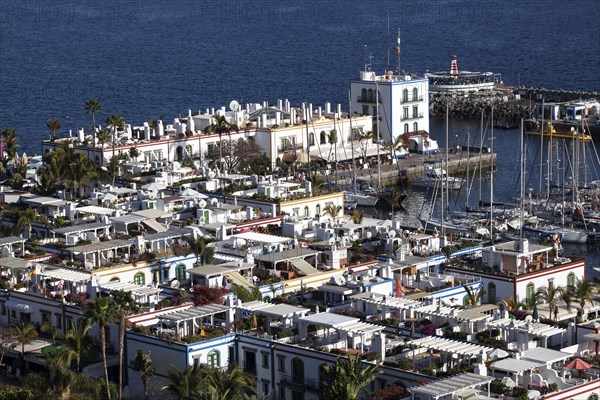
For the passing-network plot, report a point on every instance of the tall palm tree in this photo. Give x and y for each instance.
(347, 379)
(54, 125)
(102, 311)
(397, 145)
(61, 377)
(142, 363)
(583, 293)
(220, 126)
(92, 106)
(77, 341)
(24, 334)
(512, 305)
(116, 122)
(474, 297)
(103, 137)
(316, 182)
(365, 137)
(10, 145)
(125, 306)
(332, 140)
(27, 218)
(332, 210)
(186, 383)
(550, 295)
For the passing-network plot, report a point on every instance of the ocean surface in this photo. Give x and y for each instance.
(152, 58)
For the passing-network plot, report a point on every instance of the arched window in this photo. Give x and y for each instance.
(405, 95)
(415, 126)
(371, 95)
(188, 150)
(405, 128)
(278, 162)
(594, 396)
(318, 209)
(323, 137)
(492, 293)
(415, 94)
(180, 273)
(298, 370)
(311, 138)
(363, 94)
(179, 154)
(571, 280)
(306, 211)
(214, 359)
(139, 278)
(530, 293)
(115, 279)
(322, 375)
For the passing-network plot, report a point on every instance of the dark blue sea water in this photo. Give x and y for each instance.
(151, 58)
(148, 58)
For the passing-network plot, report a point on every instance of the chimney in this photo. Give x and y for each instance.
(320, 113)
(310, 110)
(328, 108)
(189, 113)
(339, 110)
(280, 104)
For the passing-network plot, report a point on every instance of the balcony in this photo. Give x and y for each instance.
(411, 99)
(250, 368)
(363, 99)
(281, 149)
(299, 383)
(411, 117)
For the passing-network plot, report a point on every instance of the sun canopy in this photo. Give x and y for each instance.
(578, 364)
(450, 386)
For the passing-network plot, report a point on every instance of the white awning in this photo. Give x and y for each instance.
(15, 305)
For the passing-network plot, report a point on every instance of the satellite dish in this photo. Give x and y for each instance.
(246, 117)
(339, 279)
(202, 204)
(331, 241)
(529, 318)
(175, 283)
(234, 105)
(392, 234)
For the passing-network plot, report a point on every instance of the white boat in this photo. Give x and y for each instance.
(361, 198)
(350, 204)
(435, 176)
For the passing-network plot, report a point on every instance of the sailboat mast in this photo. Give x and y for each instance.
(352, 142)
(398, 54)
(378, 137)
(492, 178)
(542, 150)
(522, 188)
(480, 158)
(468, 168)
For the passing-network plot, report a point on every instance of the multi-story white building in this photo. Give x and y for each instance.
(400, 102)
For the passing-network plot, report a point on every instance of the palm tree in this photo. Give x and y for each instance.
(142, 363)
(24, 334)
(61, 377)
(357, 216)
(103, 312)
(332, 210)
(220, 126)
(474, 297)
(582, 293)
(186, 383)
(134, 153)
(125, 305)
(347, 379)
(116, 122)
(394, 197)
(77, 341)
(364, 138)
(550, 295)
(316, 182)
(92, 106)
(332, 140)
(234, 384)
(54, 125)
(204, 253)
(513, 305)
(397, 145)
(103, 136)
(10, 145)
(27, 218)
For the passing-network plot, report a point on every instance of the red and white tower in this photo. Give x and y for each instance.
(453, 66)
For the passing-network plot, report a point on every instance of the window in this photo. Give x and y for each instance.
(250, 361)
(265, 387)
(415, 94)
(415, 126)
(282, 392)
(2, 308)
(415, 111)
(318, 209)
(214, 359)
(298, 370)
(322, 375)
(46, 317)
(550, 283)
(405, 113)
(296, 395)
(265, 360)
(13, 313)
(365, 110)
(371, 95)
(323, 136)
(571, 280)
(179, 152)
(58, 321)
(115, 279)
(405, 95)
(406, 128)
(375, 110)
(139, 278)
(492, 293)
(306, 211)
(281, 363)
(363, 94)
(530, 293)
(311, 139)
(180, 273)
(188, 150)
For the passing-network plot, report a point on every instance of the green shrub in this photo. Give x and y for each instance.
(16, 394)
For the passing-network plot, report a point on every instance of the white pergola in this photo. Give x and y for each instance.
(532, 328)
(344, 328)
(442, 344)
(8, 242)
(285, 314)
(75, 281)
(77, 230)
(450, 386)
(141, 294)
(162, 240)
(185, 320)
(99, 252)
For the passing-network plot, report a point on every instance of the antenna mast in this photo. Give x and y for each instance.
(398, 54)
(389, 44)
(368, 58)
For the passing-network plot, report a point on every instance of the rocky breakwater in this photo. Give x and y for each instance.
(506, 107)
